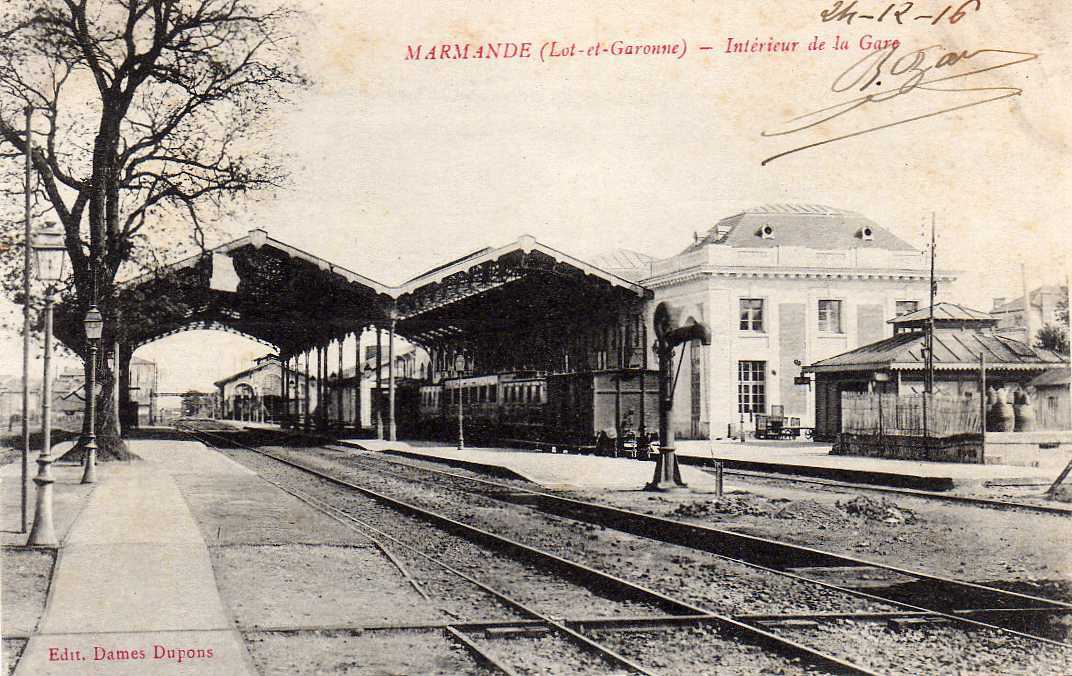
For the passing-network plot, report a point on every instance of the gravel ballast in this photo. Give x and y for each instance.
(367, 654)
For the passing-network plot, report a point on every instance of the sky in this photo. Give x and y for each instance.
(399, 165)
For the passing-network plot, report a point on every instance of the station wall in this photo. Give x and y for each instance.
(790, 331)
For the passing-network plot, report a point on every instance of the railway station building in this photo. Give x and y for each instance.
(779, 286)
(254, 394)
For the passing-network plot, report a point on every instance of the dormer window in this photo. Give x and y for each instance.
(766, 232)
(865, 233)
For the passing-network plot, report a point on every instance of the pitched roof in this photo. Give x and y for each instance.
(257, 366)
(625, 263)
(944, 312)
(811, 226)
(953, 349)
(1053, 377)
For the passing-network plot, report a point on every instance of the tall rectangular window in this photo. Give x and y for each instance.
(830, 316)
(905, 307)
(751, 386)
(751, 314)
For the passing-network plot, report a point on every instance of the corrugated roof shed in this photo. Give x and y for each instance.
(1053, 377)
(625, 263)
(944, 312)
(953, 349)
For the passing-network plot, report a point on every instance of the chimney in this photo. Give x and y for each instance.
(1029, 310)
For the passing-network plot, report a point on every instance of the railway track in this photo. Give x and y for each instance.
(914, 590)
(786, 625)
(671, 614)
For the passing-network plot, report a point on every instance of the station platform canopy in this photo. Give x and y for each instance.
(518, 285)
(278, 294)
(256, 286)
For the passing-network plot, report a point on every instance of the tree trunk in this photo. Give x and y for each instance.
(110, 445)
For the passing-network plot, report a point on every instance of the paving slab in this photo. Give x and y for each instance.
(814, 459)
(133, 583)
(550, 470)
(786, 457)
(69, 496)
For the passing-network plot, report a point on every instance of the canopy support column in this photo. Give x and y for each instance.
(320, 389)
(357, 379)
(282, 407)
(340, 393)
(305, 413)
(392, 432)
(379, 382)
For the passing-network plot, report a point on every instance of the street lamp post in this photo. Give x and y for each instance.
(459, 366)
(94, 326)
(50, 251)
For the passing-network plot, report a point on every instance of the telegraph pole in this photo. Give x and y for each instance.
(26, 332)
(928, 382)
(930, 318)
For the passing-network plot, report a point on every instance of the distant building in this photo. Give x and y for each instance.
(11, 402)
(197, 405)
(69, 398)
(411, 365)
(1012, 318)
(1052, 400)
(779, 286)
(256, 394)
(144, 386)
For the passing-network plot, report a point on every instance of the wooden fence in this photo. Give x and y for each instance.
(903, 416)
(1052, 414)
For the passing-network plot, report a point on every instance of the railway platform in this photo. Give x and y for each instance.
(554, 471)
(133, 582)
(795, 458)
(814, 460)
(790, 458)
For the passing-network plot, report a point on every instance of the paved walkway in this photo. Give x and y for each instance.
(792, 454)
(787, 457)
(809, 459)
(134, 575)
(67, 495)
(547, 469)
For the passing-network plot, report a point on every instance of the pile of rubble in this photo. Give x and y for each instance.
(820, 515)
(881, 510)
(727, 505)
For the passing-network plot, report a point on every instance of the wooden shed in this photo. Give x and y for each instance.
(897, 365)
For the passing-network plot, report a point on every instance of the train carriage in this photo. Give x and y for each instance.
(479, 398)
(407, 405)
(522, 398)
(614, 411)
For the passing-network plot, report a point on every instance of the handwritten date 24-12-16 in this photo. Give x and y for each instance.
(898, 12)
(919, 84)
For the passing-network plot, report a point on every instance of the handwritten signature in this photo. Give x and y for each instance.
(924, 69)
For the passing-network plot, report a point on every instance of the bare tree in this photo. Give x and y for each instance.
(153, 120)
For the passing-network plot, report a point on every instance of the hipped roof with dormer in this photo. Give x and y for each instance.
(812, 226)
